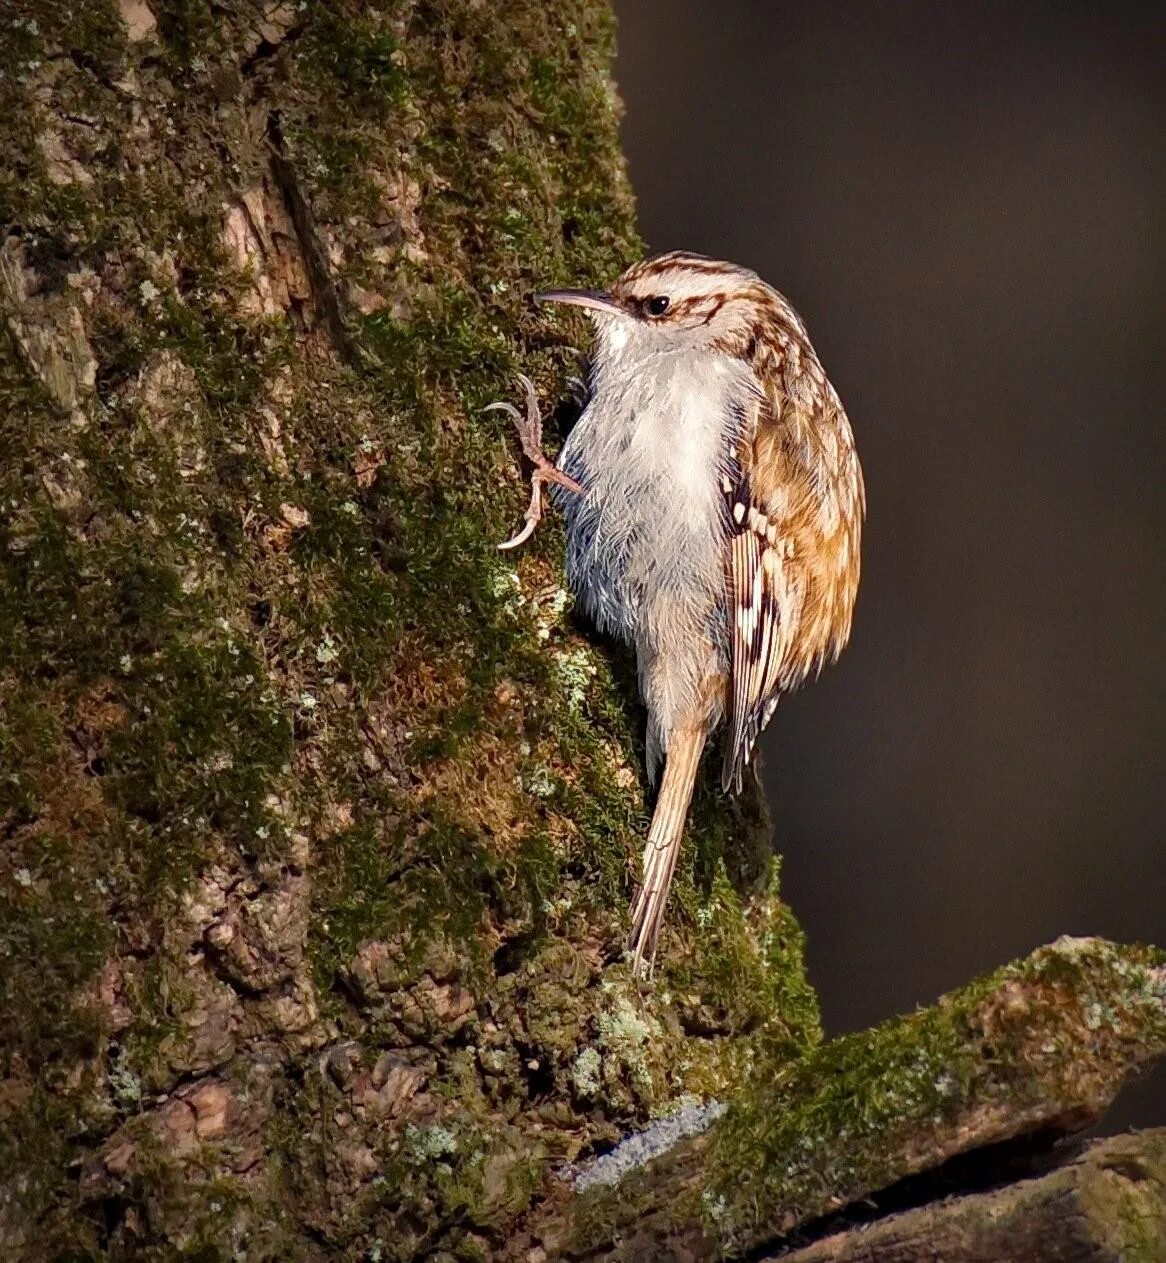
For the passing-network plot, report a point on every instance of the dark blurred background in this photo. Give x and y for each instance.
(965, 204)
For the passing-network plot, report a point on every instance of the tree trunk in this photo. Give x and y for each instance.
(319, 816)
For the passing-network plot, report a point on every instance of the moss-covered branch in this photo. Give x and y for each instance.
(1042, 1046)
(1108, 1205)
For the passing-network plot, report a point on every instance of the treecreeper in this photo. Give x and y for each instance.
(714, 502)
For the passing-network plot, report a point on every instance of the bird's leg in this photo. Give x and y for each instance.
(530, 435)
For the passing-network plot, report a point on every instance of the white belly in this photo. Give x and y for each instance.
(646, 546)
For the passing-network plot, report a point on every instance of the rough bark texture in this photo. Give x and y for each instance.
(1038, 1049)
(318, 818)
(1107, 1206)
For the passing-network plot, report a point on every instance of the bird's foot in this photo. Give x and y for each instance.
(530, 435)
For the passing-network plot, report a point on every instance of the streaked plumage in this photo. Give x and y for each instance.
(720, 523)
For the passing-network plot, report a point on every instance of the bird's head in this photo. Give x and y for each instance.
(679, 302)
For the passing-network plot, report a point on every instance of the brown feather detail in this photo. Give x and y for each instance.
(798, 512)
(700, 307)
(749, 611)
(659, 264)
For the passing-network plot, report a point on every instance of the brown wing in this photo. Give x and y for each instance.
(796, 513)
(762, 613)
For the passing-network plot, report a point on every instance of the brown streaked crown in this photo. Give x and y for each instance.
(686, 291)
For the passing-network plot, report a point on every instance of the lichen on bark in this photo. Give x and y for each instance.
(1038, 1049)
(318, 818)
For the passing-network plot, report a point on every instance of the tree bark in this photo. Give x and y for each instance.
(1026, 1056)
(1107, 1206)
(318, 816)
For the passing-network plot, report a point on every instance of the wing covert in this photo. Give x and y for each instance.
(796, 504)
(758, 631)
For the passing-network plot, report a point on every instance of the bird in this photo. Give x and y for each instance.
(713, 502)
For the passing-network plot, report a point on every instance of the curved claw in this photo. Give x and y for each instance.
(530, 429)
(521, 538)
(532, 411)
(502, 406)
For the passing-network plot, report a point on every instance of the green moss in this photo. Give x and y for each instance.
(254, 628)
(1126, 1203)
(729, 987)
(847, 1119)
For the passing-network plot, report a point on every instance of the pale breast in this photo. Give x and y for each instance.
(646, 545)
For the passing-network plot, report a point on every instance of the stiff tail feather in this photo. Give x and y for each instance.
(663, 846)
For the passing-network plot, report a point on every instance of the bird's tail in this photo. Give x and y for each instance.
(663, 845)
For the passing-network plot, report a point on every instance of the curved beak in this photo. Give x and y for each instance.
(590, 299)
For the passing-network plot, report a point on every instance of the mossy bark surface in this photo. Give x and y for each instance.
(1108, 1205)
(318, 817)
(1035, 1051)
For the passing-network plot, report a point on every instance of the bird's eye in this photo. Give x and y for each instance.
(656, 306)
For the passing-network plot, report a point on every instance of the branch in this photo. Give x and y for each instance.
(1107, 1206)
(1039, 1048)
